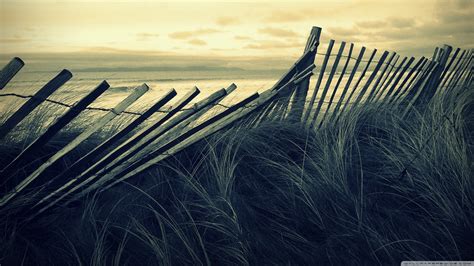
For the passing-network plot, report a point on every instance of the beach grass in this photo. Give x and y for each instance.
(374, 188)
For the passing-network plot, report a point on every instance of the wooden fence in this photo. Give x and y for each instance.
(387, 81)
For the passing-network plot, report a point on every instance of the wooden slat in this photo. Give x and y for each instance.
(33, 102)
(413, 92)
(301, 92)
(328, 84)
(369, 80)
(458, 62)
(10, 70)
(418, 75)
(390, 77)
(87, 159)
(466, 66)
(348, 84)
(435, 54)
(150, 159)
(429, 90)
(318, 83)
(386, 80)
(448, 67)
(402, 88)
(313, 38)
(117, 110)
(54, 128)
(343, 72)
(362, 75)
(388, 96)
(379, 81)
(417, 91)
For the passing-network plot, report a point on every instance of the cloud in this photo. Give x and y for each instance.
(271, 44)
(14, 39)
(371, 23)
(277, 32)
(113, 50)
(414, 36)
(197, 42)
(181, 35)
(242, 37)
(402, 22)
(145, 36)
(226, 21)
(287, 16)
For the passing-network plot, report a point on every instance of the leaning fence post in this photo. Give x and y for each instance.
(318, 83)
(10, 70)
(34, 101)
(328, 83)
(114, 112)
(54, 128)
(431, 86)
(301, 91)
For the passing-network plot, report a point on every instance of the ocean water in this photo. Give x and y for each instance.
(122, 83)
(159, 76)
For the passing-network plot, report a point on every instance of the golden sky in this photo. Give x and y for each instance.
(229, 28)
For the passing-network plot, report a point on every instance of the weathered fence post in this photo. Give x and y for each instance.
(34, 101)
(318, 83)
(54, 128)
(348, 83)
(10, 70)
(328, 83)
(117, 110)
(338, 83)
(301, 92)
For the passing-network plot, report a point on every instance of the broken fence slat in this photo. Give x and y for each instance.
(10, 70)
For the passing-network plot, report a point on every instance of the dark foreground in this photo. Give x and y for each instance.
(374, 188)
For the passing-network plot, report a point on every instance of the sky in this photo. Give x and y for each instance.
(229, 29)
